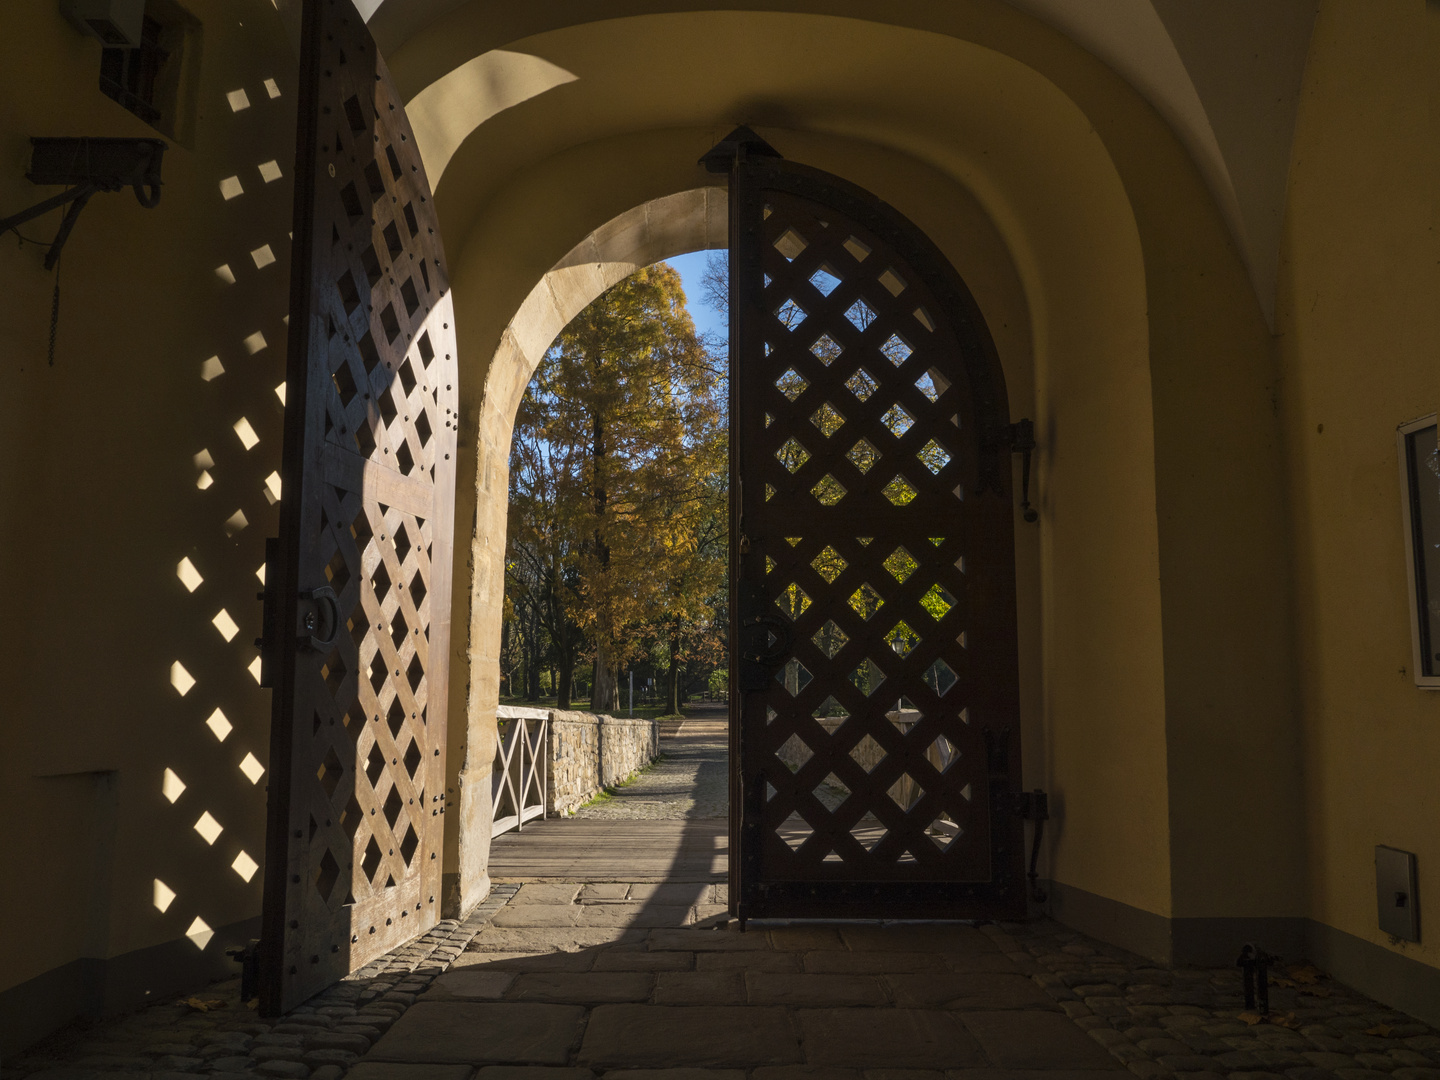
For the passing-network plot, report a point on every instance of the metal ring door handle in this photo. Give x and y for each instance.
(320, 626)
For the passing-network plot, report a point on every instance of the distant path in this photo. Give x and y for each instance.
(691, 782)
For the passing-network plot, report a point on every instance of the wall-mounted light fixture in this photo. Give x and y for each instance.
(115, 22)
(87, 166)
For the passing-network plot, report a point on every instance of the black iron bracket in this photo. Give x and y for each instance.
(86, 166)
(1034, 806)
(1255, 963)
(1022, 441)
(248, 957)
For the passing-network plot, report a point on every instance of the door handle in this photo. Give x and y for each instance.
(319, 615)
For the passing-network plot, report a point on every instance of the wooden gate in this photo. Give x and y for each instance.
(519, 784)
(358, 585)
(875, 718)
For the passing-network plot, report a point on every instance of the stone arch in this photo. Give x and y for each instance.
(661, 228)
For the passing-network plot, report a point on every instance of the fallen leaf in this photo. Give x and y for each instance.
(1382, 1030)
(253, 1004)
(1250, 1018)
(1286, 1021)
(1309, 973)
(204, 1004)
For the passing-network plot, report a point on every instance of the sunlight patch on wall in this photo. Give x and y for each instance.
(238, 100)
(212, 369)
(188, 575)
(200, 933)
(272, 488)
(220, 724)
(272, 88)
(263, 256)
(255, 342)
(230, 188)
(225, 274)
(245, 866)
(254, 670)
(235, 523)
(208, 828)
(171, 786)
(261, 573)
(246, 433)
(280, 393)
(269, 171)
(161, 895)
(252, 768)
(445, 113)
(181, 679)
(225, 624)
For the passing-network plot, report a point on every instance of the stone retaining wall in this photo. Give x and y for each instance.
(588, 752)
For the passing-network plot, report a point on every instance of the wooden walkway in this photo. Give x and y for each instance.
(580, 850)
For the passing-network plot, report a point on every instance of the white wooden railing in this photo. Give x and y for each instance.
(517, 786)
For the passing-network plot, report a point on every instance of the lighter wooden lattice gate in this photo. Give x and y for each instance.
(875, 718)
(358, 586)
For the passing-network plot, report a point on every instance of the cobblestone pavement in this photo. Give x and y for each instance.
(691, 780)
(569, 981)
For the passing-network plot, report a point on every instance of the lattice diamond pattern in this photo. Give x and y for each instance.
(865, 382)
(364, 853)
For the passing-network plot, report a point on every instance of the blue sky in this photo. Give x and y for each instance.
(707, 319)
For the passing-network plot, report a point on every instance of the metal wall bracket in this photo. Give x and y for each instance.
(1022, 441)
(87, 166)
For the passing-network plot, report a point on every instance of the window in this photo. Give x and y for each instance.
(157, 81)
(1420, 485)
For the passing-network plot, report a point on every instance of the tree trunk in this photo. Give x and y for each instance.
(567, 680)
(605, 690)
(672, 703)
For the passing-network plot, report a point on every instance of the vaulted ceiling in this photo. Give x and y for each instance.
(1225, 74)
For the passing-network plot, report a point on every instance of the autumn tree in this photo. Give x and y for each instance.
(624, 420)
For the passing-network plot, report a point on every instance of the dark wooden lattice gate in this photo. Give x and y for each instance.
(875, 712)
(358, 585)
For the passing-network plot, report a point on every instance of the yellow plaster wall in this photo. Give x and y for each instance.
(1360, 339)
(99, 486)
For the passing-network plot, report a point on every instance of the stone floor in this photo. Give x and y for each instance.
(650, 980)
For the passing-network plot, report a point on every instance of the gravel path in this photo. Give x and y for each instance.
(691, 780)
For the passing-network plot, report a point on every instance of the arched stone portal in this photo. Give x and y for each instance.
(656, 230)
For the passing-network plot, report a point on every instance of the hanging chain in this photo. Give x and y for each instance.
(55, 313)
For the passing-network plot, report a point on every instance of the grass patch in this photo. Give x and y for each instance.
(607, 793)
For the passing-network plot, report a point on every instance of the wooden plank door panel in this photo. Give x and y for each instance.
(361, 578)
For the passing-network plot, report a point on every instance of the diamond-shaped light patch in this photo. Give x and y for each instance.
(769, 564)
(829, 490)
(896, 349)
(865, 601)
(792, 384)
(857, 248)
(860, 315)
(902, 639)
(862, 384)
(934, 456)
(790, 243)
(793, 601)
(825, 280)
(939, 677)
(899, 491)
(900, 563)
(794, 753)
(905, 792)
(867, 753)
(829, 565)
(937, 602)
(830, 639)
(943, 832)
(792, 455)
(794, 676)
(829, 709)
(867, 677)
(868, 831)
(942, 753)
(863, 455)
(897, 420)
(827, 419)
(825, 349)
(790, 314)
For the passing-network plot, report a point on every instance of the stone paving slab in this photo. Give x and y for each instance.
(888, 1038)
(1035, 1040)
(506, 1032)
(698, 1036)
